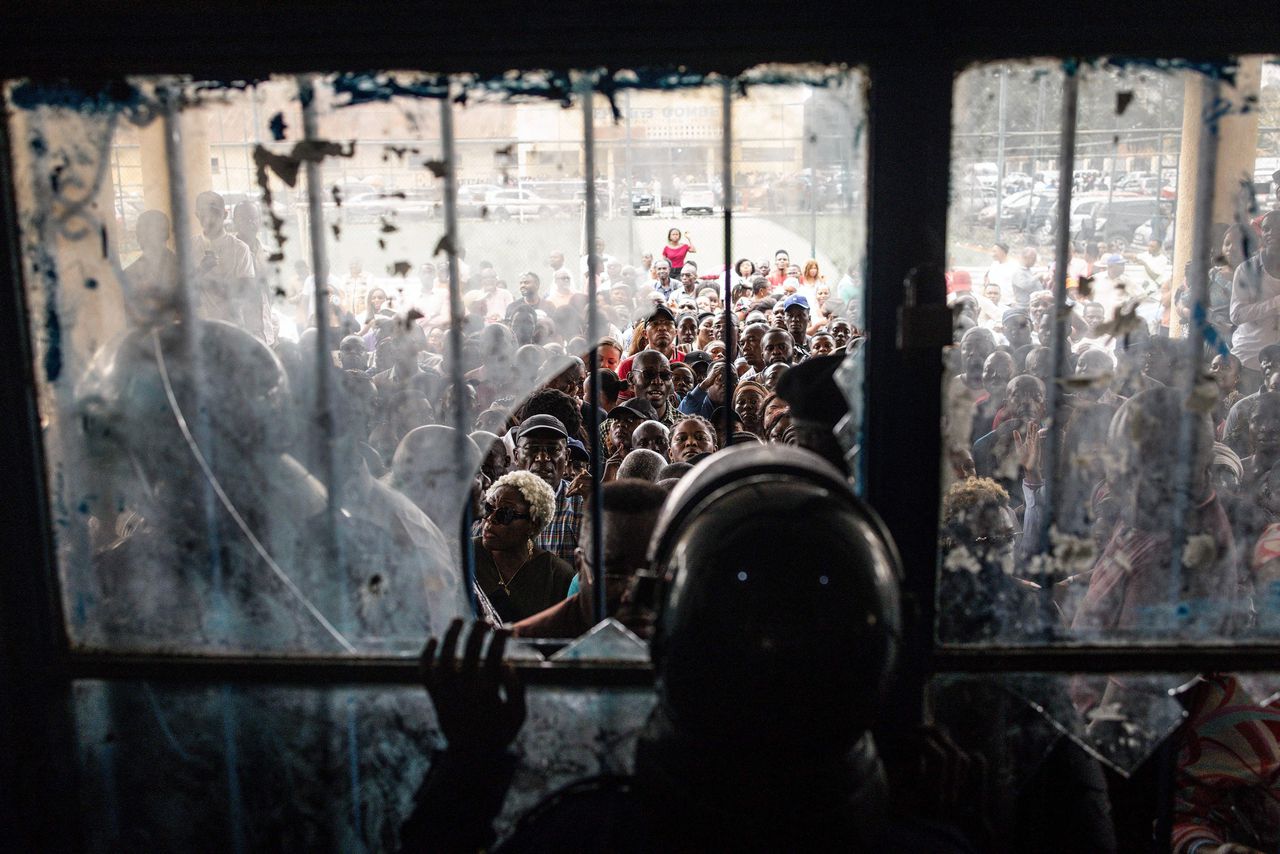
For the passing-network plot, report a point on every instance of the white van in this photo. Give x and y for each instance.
(981, 174)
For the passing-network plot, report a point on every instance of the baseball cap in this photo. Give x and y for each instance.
(1114, 260)
(542, 422)
(793, 301)
(636, 407)
(694, 357)
(660, 311)
(578, 451)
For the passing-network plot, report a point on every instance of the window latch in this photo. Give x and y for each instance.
(923, 327)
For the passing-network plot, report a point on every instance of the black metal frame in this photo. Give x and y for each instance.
(911, 50)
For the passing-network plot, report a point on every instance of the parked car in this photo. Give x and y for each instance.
(982, 174)
(1142, 234)
(406, 205)
(1028, 209)
(643, 203)
(1144, 184)
(1093, 216)
(472, 199)
(525, 204)
(970, 200)
(1015, 181)
(697, 199)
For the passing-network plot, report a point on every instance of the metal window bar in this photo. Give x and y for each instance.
(391, 670)
(182, 227)
(1062, 312)
(593, 358)
(729, 375)
(457, 316)
(325, 392)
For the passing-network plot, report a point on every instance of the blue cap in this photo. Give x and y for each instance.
(1114, 260)
(794, 300)
(578, 451)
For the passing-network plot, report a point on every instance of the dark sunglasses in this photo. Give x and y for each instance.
(650, 376)
(501, 515)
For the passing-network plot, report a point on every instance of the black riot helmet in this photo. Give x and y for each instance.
(778, 616)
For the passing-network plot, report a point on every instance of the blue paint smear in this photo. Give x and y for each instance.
(53, 352)
(94, 97)
(1225, 71)
(277, 127)
(559, 85)
(373, 87)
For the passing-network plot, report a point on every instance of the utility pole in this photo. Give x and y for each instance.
(1004, 103)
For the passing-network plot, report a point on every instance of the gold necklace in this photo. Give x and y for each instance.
(506, 585)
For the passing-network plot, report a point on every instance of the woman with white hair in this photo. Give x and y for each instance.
(519, 578)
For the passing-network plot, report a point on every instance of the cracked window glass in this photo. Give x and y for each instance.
(1105, 476)
(293, 334)
(1190, 755)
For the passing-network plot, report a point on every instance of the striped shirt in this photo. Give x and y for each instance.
(560, 537)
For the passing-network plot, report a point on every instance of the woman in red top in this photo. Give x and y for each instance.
(675, 251)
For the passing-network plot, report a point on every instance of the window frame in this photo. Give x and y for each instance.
(903, 359)
(909, 113)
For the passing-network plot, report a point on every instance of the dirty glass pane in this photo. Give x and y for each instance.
(243, 299)
(816, 217)
(1195, 753)
(212, 485)
(203, 768)
(1117, 497)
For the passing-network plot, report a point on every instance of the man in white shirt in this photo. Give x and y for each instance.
(1001, 272)
(355, 288)
(435, 305)
(258, 318)
(224, 267)
(1111, 286)
(1255, 303)
(1094, 339)
(602, 261)
(496, 299)
(1158, 270)
(555, 260)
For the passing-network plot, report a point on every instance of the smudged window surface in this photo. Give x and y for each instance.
(285, 329)
(1110, 486)
(203, 767)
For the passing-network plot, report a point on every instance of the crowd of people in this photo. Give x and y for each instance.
(1128, 448)
(662, 399)
(1161, 522)
(1163, 518)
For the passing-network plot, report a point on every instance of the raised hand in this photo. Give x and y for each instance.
(713, 385)
(1027, 443)
(480, 705)
(582, 484)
